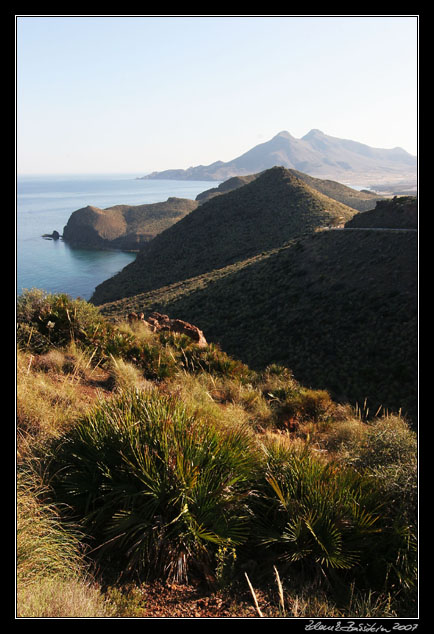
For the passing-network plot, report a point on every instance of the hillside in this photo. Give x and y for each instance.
(316, 154)
(124, 226)
(398, 213)
(227, 186)
(360, 200)
(160, 478)
(265, 214)
(337, 307)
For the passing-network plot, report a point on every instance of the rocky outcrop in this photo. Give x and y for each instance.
(159, 322)
(52, 236)
(124, 227)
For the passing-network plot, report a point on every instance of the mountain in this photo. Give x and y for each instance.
(338, 307)
(360, 200)
(264, 214)
(316, 154)
(124, 226)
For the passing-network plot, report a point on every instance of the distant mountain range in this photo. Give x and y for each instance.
(316, 154)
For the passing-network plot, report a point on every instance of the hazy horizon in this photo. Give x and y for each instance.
(136, 94)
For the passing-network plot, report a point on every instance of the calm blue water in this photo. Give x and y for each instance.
(44, 204)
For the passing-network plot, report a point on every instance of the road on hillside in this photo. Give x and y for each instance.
(367, 229)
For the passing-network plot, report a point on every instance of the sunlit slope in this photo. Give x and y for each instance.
(360, 200)
(124, 226)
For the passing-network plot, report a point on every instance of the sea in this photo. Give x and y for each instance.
(44, 204)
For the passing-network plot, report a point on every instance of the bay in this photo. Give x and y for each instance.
(44, 203)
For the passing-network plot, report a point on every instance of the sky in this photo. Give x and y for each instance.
(134, 94)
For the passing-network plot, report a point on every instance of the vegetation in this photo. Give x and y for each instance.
(53, 577)
(181, 471)
(397, 213)
(360, 200)
(265, 214)
(309, 306)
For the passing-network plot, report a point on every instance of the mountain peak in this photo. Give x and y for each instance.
(284, 134)
(313, 133)
(316, 154)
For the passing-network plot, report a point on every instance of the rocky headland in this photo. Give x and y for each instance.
(124, 227)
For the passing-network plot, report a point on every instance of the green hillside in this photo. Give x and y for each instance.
(360, 200)
(265, 214)
(337, 307)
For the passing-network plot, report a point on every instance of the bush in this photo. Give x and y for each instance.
(58, 319)
(312, 515)
(213, 360)
(155, 486)
(387, 454)
(294, 405)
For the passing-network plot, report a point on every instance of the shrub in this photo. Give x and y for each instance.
(387, 454)
(32, 305)
(293, 405)
(214, 361)
(57, 318)
(155, 485)
(312, 515)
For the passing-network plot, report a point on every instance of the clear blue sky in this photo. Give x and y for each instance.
(141, 93)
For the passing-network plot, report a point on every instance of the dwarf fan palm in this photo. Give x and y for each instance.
(155, 484)
(313, 514)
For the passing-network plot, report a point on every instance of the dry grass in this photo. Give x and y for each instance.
(44, 546)
(45, 401)
(53, 390)
(127, 375)
(56, 388)
(52, 577)
(221, 400)
(53, 597)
